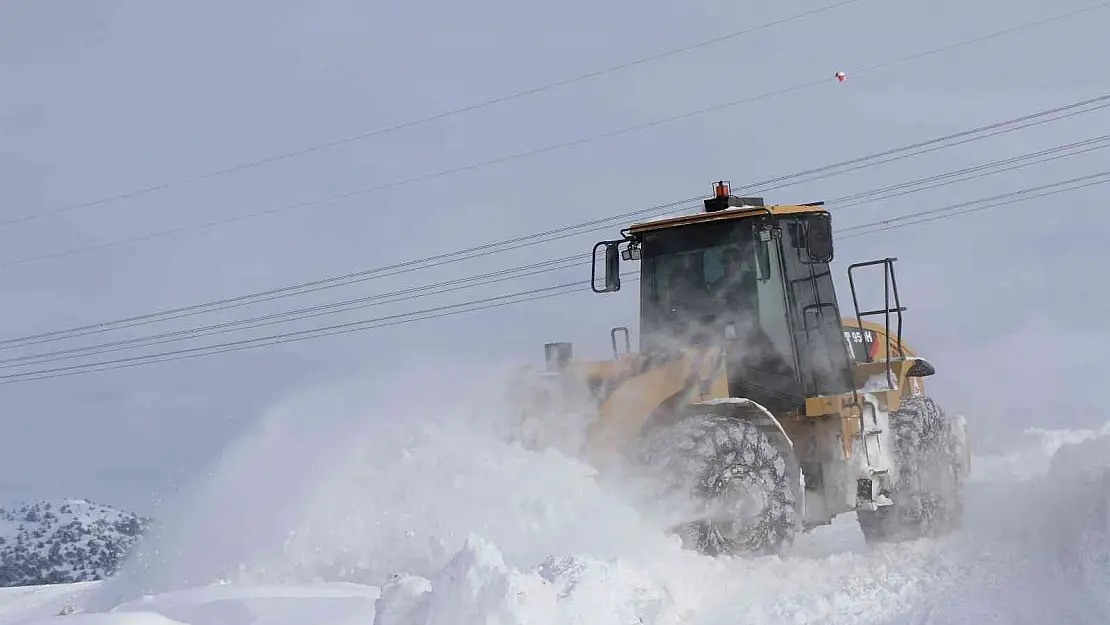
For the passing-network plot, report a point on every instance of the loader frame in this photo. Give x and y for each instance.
(842, 443)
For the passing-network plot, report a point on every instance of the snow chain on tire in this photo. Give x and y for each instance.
(927, 492)
(720, 461)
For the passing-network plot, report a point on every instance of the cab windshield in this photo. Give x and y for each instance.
(718, 284)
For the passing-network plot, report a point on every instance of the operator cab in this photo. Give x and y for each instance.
(751, 278)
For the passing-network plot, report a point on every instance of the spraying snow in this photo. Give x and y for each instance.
(329, 488)
(407, 510)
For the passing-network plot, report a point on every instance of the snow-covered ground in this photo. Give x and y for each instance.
(336, 513)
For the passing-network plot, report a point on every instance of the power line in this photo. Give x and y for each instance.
(931, 145)
(857, 163)
(489, 302)
(503, 274)
(548, 148)
(303, 313)
(458, 308)
(869, 228)
(199, 309)
(377, 272)
(438, 116)
(317, 285)
(979, 208)
(977, 171)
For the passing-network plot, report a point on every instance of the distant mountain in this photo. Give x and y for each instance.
(58, 542)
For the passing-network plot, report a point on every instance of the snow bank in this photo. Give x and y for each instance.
(1033, 460)
(221, 604)
(228, 604)
(477, 587)
(1038, 537)
(1082, 474)
(22, 604)
(135, 618)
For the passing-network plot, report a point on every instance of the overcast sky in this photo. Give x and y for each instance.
(103, 98)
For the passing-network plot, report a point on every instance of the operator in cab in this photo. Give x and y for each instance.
(736, 287)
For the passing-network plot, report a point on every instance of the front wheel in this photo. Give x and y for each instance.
(928, 491)
(743, 487)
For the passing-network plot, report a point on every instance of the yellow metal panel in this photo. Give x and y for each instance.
(627, 409)
(890, 346)
(826, 405)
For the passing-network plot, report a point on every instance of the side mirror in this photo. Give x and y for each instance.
(819, 238)
(612, 267)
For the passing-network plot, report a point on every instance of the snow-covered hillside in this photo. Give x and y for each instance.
(73, 540)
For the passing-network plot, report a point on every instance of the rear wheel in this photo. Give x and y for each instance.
(928, 491)
(740, 486)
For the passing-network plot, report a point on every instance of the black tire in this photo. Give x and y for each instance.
(720, 461)
(928, 491)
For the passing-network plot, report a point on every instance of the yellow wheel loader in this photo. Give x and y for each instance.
(752, 403)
